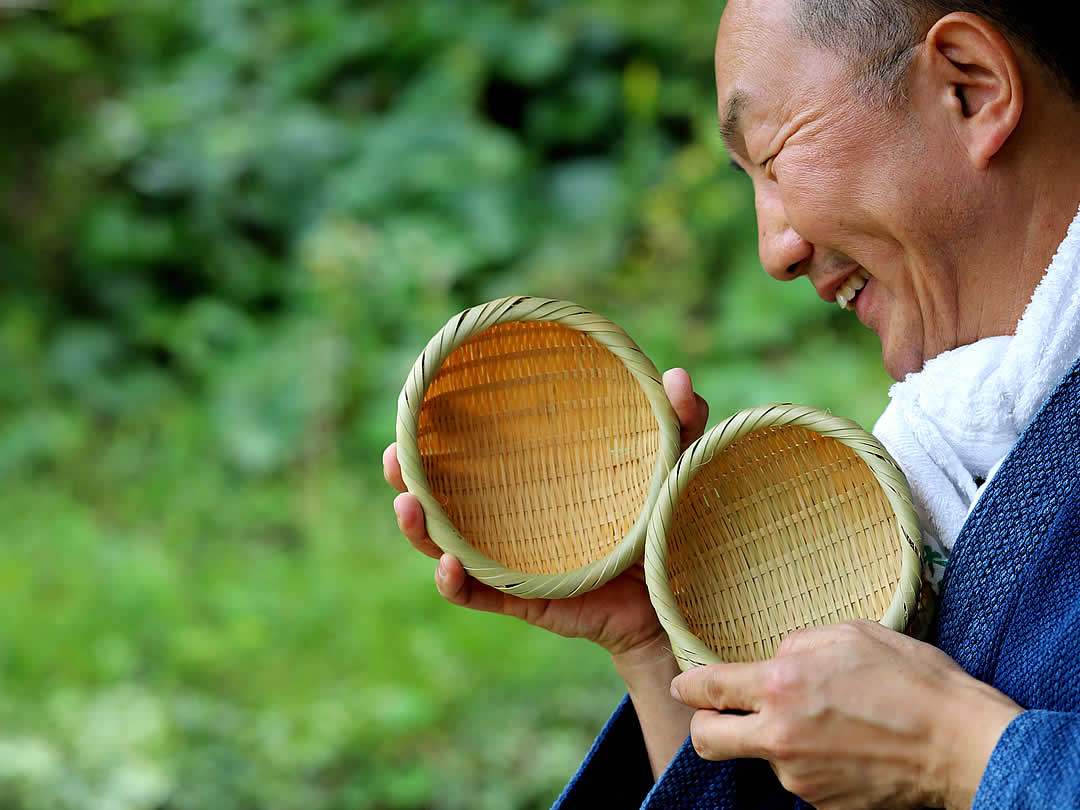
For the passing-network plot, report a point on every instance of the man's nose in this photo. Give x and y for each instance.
(782, 250)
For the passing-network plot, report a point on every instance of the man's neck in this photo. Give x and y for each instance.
(1036, 201)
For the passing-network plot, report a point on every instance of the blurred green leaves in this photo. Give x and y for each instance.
(199, 189)
(227, 228)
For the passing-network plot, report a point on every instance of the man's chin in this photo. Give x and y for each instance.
(899, 364)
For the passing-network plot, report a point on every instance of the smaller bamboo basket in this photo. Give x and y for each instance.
(536, 435)
(780, 518)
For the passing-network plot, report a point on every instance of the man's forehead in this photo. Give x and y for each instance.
(769, 13)
(737, 81)
(749, 31)
(749, 28)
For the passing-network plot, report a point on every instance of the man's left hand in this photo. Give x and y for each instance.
(852, 716)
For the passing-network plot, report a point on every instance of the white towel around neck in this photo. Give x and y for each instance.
(950, 425)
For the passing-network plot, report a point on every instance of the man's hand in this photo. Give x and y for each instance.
(852, 716)
(617, 616)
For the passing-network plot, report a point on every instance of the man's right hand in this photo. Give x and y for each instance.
(618, 616)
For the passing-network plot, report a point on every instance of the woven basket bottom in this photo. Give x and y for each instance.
(782, 529)
(539, 444)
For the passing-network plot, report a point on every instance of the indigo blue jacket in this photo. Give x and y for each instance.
(1009, 614)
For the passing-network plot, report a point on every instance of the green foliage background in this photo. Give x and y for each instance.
(227, 227)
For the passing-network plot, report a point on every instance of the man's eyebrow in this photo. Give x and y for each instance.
(730, 121)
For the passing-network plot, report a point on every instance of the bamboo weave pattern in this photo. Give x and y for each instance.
(536, 435)
(782, 517)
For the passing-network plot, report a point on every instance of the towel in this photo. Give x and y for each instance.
(950, 425)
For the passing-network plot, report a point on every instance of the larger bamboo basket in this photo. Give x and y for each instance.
(536, 435)
(782, 517)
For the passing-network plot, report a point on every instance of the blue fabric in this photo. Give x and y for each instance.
(1008, 613)
(616, 771)
(1035, 765)
(616, 774)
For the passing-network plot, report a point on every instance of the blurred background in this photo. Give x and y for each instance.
(227, 228)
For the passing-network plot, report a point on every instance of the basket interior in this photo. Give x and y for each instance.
(539, 444)
(783, 528)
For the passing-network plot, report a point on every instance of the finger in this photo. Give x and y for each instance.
(456, 586)
(452, 580)
(410, 519)
(690, 408)
(702, 412)
(680, 391)
(719, 736)
(721, 686)
(392, 469)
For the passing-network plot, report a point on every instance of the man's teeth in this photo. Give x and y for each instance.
(845, 296)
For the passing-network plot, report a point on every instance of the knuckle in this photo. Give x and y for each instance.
(794, 641)
(781, 680)
(800, 785)
(714, 692)
(780, 743)
(454, 594)
(854, 629)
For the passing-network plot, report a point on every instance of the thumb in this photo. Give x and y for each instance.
(690, 408)
(724, 687)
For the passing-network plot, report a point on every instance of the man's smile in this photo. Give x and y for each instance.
(849, 290)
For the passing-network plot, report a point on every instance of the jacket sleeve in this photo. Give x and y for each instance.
(1036, 764)
(616, 774)
(616, 771)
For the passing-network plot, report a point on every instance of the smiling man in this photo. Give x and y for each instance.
(938, 169)
(917, 161)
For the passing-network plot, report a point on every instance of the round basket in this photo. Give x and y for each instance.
(536, 435)
(782, 517)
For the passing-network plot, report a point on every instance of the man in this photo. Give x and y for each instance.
(916, 160)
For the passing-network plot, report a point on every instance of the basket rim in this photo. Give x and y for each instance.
(690, 651)
(466, 325)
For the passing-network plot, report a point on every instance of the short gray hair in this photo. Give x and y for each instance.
(879, 37)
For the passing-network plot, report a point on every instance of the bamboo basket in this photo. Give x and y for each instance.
(782, 517)
(536, 435)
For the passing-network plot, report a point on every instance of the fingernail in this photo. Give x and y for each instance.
(675, 693)
(440, 569)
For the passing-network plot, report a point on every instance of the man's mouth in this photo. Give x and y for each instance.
(849, 290)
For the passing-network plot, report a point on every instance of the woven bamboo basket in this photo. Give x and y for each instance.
(536, 435)
(782, 517)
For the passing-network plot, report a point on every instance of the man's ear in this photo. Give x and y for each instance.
(977, 76)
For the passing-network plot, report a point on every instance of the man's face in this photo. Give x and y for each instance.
(847, 193)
